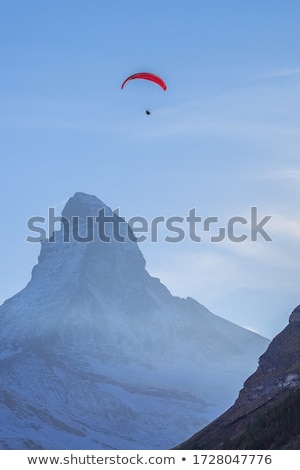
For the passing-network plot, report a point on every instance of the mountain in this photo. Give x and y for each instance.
(96, 353)
(266, 414)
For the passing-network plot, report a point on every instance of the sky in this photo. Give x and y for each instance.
(224, 137)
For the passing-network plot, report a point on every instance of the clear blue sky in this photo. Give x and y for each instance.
(222, 138)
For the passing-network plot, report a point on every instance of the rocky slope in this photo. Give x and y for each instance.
(266, 414)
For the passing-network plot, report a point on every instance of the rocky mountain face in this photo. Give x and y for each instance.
(96, 353)
(266, 414)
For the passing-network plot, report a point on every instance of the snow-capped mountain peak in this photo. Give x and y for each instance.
(96, 350)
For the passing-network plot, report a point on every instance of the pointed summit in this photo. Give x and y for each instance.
(83, 205)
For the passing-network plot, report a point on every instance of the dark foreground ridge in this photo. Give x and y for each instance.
(266, 414)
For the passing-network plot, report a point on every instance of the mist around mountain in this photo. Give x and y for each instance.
(266, 414)
(95, 353)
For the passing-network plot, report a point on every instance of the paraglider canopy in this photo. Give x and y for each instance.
(146, 76)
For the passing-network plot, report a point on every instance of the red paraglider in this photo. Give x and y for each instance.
(146, 76)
